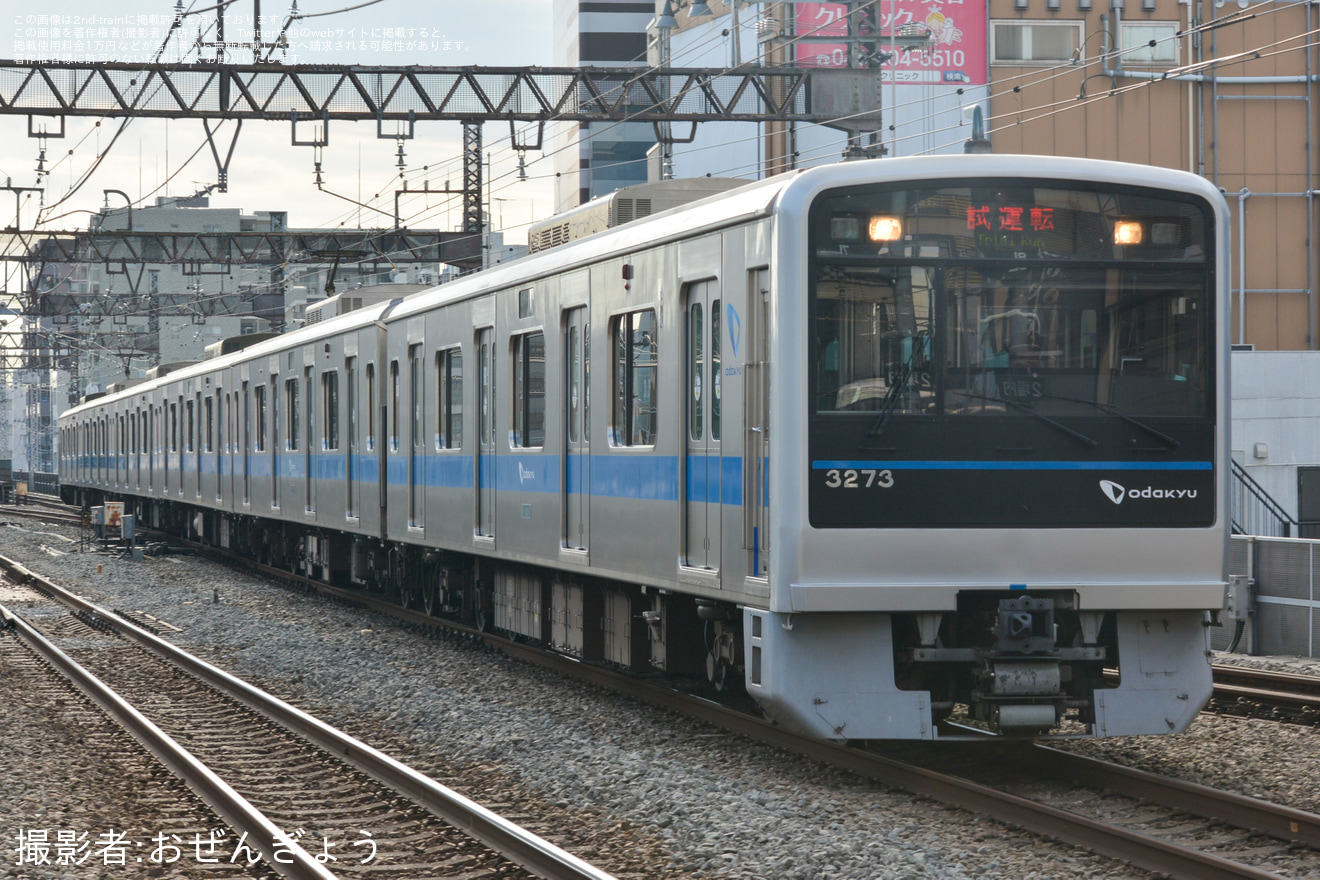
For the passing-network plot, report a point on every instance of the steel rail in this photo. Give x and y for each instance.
(1283, 689)
(1142, 850)
(1294, 680)
(1282, 699)
(1275, 820)
(519, 845)
(231, 806)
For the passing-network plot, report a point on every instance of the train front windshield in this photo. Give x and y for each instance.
(1011, 353)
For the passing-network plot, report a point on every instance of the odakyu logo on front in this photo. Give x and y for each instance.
(1116, 493)
(1113, 491)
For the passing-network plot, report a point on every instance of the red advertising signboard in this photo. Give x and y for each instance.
(954, 55)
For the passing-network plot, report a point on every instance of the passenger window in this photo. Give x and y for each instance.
(371, 406)
(696, 370)
(449, 399)
(291, 407)
(716, 380)
(210, 425)
(394, 405)
(350, 401)
(260, 392)
(635, 395)
(529, 390)
(415, 395)
(330, 409)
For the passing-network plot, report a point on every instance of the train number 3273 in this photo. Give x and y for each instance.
(858, 479)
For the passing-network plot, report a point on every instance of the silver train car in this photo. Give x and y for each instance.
(891, 444)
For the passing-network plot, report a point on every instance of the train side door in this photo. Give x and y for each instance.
(577, 429)
(245, 453)
(276, 435)
(351, 429)
(416, 439)
(309, 478)
(756, 425)
(702, 325)
(485, 469)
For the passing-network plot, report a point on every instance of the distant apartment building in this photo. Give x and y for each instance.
(593, 159)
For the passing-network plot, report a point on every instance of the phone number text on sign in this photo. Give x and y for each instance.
(955, 53)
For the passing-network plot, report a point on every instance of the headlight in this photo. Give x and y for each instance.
(1128, 232)
(884, 227)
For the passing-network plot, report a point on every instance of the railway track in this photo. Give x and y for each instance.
(46, 512)
(247, 755)
(917, 774)
(1282, 695)
(1190, 808)
(85, 757)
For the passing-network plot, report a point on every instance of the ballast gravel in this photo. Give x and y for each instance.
(635, 790)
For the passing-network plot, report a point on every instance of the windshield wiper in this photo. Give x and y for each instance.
(1031, 411)
(1114, 411)
(890, 401)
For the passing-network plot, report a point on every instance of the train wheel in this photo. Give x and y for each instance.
(401, 579)
(483, 617)
(719, 672)
(432, 575)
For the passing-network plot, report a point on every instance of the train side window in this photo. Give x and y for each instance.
(191, 425)
(260, 393)
(586, 383)
(716, 380)
(394, 406)
(371, 406)
(440, 400)
(696, 370)
(350, 401)
(174, 427)
(209, 442)
(635, 395)
(291, 407)
(330, 409)
(276, 421)
(449, 399)
(529, 390)
(415, 398)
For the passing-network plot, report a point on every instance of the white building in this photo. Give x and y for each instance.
(593, 159)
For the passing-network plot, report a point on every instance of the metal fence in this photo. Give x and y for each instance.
(39, 483)
(1283, 571)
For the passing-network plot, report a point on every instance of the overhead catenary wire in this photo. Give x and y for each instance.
(502, 183)
(1011, 85)
(501, 180)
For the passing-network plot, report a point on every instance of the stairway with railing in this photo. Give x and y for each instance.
(1255, 512)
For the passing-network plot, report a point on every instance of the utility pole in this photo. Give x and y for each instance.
(779, 53)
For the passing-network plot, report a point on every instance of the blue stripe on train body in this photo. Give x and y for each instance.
(634, 477)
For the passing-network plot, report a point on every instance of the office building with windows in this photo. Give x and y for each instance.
(593, 159)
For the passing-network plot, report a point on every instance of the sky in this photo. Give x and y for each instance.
(151, 158)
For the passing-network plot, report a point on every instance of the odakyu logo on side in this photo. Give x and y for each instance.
(1116, 493)
(735, 328)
